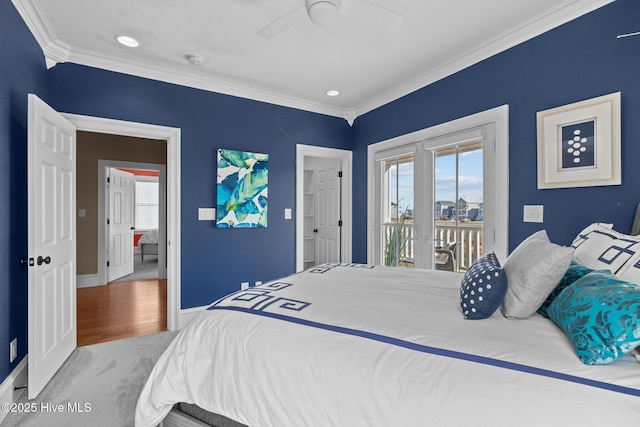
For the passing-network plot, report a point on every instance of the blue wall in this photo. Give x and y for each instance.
(214, 261)
(579, 60)
(22, 70)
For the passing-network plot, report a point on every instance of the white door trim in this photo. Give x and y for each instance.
(172, 137)
(103, 243)
(498, 116)
(346, 158)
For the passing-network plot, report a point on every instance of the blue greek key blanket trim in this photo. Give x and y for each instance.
(260, 298)
(438, 351)
(323, 268)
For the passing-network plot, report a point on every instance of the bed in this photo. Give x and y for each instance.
(361, 345)
(148, 243)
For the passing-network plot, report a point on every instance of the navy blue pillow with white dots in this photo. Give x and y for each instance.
(483, 288)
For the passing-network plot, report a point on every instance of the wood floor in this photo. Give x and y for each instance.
(121, 310)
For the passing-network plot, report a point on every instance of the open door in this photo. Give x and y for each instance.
(51, 241)
(121, 223)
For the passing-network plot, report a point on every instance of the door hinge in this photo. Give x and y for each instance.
(339, 223)
(107, 221)
(107, 263)
(108, 180)
(339, 174)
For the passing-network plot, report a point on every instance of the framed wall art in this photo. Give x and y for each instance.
(579, 144)
(242, 189)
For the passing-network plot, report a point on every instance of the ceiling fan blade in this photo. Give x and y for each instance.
(622, 36)
(372, 15)
(282, 23)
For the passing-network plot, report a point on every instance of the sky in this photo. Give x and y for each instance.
(469, 182)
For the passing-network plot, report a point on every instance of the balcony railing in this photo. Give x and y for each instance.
(399, 242)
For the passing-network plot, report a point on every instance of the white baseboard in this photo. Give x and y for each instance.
(87, 281)
(17, 378)
(189, 313)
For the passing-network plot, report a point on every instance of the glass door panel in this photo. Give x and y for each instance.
(398, 211)
(458, 206)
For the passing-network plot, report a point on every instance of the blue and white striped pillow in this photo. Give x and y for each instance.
(599, 247)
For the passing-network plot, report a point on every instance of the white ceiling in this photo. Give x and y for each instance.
(367, 62)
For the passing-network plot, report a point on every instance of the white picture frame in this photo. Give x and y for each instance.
(579, 144)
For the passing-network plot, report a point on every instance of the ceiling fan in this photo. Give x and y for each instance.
(328, 12)
(622, 36)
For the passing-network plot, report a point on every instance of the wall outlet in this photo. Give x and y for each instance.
(13, 350)
(244, 285)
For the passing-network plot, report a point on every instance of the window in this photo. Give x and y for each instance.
(147, 204)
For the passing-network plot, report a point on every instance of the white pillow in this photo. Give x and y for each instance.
(533, 270)
(630, 271)
(600, 247)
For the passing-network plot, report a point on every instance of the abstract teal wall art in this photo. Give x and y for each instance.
(242, 189)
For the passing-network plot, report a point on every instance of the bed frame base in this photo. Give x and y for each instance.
(176, 418)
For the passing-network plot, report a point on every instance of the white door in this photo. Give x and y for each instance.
(121, 223)
(327, 190)
(51, 241)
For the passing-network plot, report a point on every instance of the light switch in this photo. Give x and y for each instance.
(533, 213)
(287, 213)
(206, 214)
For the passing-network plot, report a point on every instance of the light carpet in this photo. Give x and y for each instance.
(98, 385)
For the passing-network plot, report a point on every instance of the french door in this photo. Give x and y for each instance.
(438, 199)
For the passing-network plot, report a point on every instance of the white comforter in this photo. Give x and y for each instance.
(149, 237)
(357, 346)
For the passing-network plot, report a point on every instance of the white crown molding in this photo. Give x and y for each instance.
(56, 51)
(561, 14)
(106, 62)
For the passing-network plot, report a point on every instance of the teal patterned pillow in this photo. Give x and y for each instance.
(601, 316)
(574, 272)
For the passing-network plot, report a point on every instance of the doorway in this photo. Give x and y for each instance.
(51, 144)
(323, 205)
(170, 139)
(148, 211)
(107, 196)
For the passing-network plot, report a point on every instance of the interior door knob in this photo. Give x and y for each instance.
(41, 260)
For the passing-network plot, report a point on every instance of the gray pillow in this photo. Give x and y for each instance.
(533, 270)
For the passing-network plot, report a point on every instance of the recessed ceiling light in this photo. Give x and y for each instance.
(333, 92)
(128, 41)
